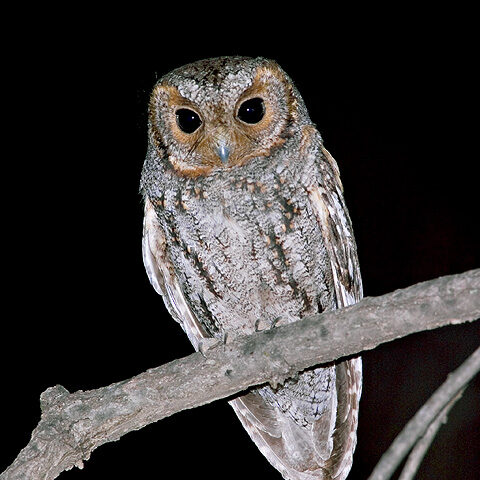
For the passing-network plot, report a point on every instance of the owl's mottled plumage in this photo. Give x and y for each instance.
(245, 229)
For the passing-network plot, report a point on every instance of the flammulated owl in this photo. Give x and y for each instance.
(245, 229)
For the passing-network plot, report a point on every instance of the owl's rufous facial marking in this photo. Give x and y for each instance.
(215, 131)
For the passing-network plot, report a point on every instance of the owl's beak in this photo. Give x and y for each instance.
(222, 139)
(223, 152)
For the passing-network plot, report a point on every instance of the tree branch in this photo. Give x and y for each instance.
(419, 424)
(420, 449)
(73, 425)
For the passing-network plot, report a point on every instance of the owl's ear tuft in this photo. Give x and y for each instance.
(298, 113)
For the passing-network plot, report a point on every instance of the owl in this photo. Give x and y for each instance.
(246, 229)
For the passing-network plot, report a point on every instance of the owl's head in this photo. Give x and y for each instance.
(222, 112)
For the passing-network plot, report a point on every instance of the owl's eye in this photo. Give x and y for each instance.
(187, 120)
(252, 110)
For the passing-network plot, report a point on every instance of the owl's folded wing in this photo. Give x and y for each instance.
(327, 201)
(333, 218)
(162, 276)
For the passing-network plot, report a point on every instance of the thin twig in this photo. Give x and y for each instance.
(420, 449)
(417, 426)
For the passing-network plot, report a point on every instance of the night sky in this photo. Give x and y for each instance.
(395, 114)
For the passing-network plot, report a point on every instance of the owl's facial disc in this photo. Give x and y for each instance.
(219, 125)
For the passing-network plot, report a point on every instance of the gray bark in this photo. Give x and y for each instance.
(72, 425)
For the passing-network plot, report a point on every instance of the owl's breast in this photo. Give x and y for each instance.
(247, 250)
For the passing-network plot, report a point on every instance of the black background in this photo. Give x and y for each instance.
(396, 108)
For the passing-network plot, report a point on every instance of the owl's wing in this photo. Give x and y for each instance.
(333, 219)
(323, 450)
(162, 276)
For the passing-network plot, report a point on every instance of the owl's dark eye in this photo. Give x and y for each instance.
(187, 120)
(252, 110)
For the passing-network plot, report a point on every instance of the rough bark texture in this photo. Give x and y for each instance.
(73, 425)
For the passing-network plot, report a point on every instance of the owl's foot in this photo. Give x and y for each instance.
(207, 344)
(210, 343)
(264, 324)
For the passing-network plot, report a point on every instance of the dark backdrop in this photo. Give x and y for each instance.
(396, 109)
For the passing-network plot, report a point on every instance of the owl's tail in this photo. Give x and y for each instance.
(319, 451)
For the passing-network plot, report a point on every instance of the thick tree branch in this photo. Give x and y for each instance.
(73, 425)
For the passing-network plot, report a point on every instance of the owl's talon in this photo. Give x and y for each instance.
(262, 324)
(206, 344)
(277, 321)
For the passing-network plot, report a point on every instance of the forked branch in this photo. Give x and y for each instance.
(421, 429)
